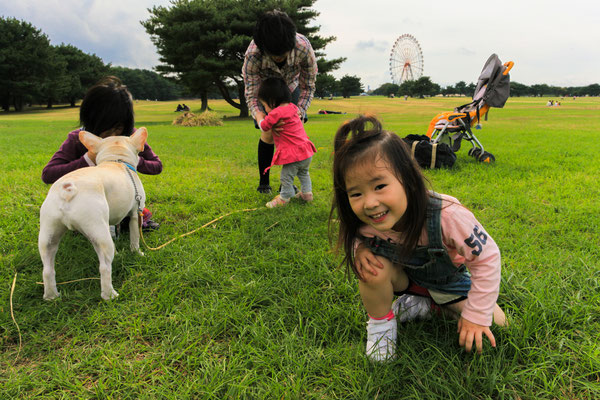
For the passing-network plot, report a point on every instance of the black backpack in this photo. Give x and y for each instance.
(430, 155)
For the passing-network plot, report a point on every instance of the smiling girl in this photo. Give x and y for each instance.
(400, 238)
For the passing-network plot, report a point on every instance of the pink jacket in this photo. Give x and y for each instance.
(292, 144)
(457, 227)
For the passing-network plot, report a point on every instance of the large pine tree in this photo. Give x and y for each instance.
(203, 42)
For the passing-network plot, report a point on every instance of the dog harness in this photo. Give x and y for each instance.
(138, 198)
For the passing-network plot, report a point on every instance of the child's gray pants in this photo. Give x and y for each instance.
(288, 172)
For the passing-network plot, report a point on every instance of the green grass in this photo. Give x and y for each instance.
(255, 307)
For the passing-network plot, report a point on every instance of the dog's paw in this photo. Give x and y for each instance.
(51, 296)
(113, 294)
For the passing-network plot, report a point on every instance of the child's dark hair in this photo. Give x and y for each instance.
(107, 106)
(275, 33)
(362, 141)
(274, 91)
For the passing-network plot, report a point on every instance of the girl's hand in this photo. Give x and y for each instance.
(469, 331)
(277, 128)
(365, 260)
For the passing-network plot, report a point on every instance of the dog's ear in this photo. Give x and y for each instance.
(90, 141)
(139, 137)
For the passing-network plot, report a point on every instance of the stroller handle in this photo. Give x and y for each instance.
(508, 66)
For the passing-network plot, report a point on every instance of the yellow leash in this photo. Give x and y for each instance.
(12, 290)
(140, 218)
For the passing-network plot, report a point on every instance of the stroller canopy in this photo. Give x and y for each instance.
(496, 85)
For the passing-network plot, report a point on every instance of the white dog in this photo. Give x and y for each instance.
(89, 200)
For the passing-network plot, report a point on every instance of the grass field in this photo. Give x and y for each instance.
(255, 306)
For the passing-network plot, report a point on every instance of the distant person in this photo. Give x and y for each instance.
(184, 107)
(405, 97)
(330, 112)
(277, 50)
(106, 110)
(549, 103)
(401, 239)
(179, 108)
(293, 148)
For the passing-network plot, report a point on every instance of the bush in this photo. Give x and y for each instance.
(207, 118)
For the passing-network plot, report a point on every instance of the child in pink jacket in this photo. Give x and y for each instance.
(293, 148)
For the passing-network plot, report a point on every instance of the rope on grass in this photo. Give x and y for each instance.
(12, 290)
(194, 231)
(76, 280)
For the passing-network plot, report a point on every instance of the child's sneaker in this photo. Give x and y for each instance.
(147, 223)
(308, 197)
(381, 339)
(277, 202)
(408, 307)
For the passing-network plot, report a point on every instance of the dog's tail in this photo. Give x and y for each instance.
(68, 190)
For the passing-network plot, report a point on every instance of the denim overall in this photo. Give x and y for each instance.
(431, 266)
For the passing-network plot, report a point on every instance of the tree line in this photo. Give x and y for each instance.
(327, 85)
(425, 87)
(32, 71)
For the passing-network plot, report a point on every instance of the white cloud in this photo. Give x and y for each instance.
(377, 46)
(550, 41)
(110, 29)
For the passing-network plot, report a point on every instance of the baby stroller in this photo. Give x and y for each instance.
(492, 90)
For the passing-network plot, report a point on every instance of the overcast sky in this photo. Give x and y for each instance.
(551, 41)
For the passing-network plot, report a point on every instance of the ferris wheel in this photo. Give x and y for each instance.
(406, 59)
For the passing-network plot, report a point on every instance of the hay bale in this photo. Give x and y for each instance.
(207, 118)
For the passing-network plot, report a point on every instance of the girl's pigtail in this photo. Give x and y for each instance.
(359, 130)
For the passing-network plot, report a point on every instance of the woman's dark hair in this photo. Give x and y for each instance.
(362, 141)
(274, 91)
(275, 33)
(106, 106)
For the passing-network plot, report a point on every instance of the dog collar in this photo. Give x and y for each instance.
(131, 167)
(138, 198)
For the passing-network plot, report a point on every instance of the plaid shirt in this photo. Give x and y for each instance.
(300, 70)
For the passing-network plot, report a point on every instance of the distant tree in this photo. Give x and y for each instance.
(83, 70)
(350, 86)
(56, 85)
(518, 89)
(593, 90)
(449, 90)
(471, 89)
(461, 87)
(540, 90)
(326, 84)
(145, 84)
(202, 42)
(424, 87)
(24, 55)
(407, 88)
(386, 89)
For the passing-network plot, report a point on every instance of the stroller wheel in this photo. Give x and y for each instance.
(475, 152)
(486, 157)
